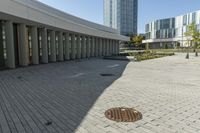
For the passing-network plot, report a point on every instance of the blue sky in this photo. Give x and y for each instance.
(149, 10)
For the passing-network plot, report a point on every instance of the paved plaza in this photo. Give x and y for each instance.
(72, 96)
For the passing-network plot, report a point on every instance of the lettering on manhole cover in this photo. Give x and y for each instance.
(122, 114)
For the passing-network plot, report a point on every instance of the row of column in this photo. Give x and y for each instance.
(45, 45)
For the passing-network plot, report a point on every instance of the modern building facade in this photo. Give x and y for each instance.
(121, 15)
(170, 32)
(34, 33)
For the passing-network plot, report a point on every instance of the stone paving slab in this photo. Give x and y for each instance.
(74, 96)
(165, 90)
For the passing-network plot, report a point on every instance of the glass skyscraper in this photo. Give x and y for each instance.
(121, 15)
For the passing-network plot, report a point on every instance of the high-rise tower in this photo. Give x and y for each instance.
(121, 15)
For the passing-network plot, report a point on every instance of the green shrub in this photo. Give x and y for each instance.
(151, 55)
(146, 55)
(165, 53)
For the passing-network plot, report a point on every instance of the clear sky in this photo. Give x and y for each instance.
(149, 10)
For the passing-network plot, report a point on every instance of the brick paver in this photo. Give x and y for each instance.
(74, 96)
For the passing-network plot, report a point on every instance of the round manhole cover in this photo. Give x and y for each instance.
(122, 114)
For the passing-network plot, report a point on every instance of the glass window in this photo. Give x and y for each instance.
(185, 20)
(193, 17)
(165, 24)
(173, 23)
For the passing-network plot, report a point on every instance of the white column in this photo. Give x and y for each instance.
(83, 47)
(2, 61)
(53, 46)
(79, 47)
(60, 47)
(147, 46)
(10, 44)
(34, 42)
(100, 47)
(23, 46)
(110, 47)
(107, 46)
(110, 43)
(73, 47)
(96, 46)
(88, 42)
(118, 47)
(161, 45)
(67, 56)
(174, 45)
(92, 46)
(44, 46)
(103, 47)
(113, 48)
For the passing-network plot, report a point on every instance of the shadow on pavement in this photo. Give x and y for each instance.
(54, 97)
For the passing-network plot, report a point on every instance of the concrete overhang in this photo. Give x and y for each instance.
(35, 13)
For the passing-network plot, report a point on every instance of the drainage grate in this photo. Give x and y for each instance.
(122, 114)
(107, 74)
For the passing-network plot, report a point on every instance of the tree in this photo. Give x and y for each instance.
(137, 40)
(194, 36)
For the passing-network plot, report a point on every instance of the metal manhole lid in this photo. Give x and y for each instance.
(123, 114)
